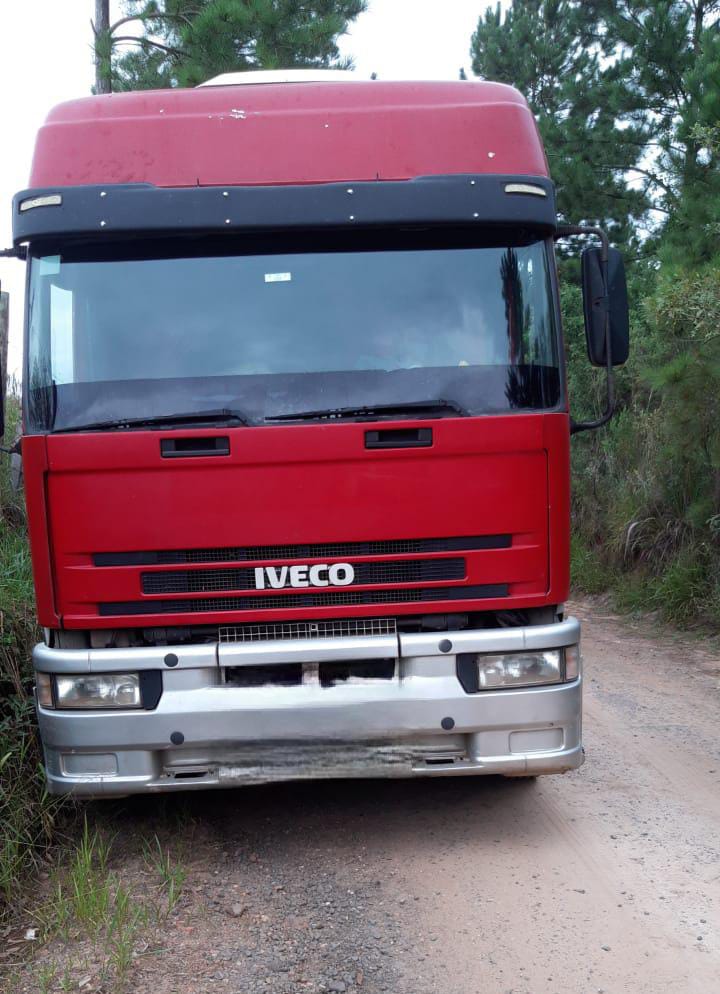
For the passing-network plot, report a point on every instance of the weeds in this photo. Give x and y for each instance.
(27, 814)
(93, 908)
(172, 875)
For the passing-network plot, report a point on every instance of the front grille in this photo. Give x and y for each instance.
(330, 598)
(290, 630)
(205, 580)
(316, 550)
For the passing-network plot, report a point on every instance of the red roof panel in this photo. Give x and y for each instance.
(288, 133)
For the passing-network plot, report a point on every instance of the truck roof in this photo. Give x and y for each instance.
(281, 133)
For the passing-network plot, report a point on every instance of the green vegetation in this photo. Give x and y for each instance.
(628, 104)
(27, 814)
(105, 919)
(185, 42)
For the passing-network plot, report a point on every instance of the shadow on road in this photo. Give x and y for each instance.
(342, 812)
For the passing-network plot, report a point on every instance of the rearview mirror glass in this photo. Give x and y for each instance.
(597, 305)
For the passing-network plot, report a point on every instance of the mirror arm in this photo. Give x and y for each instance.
(16, 252)
(564, 231)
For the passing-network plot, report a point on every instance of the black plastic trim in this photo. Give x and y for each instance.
(200, 581)
(399, 438)
(151, 688)
(311, 550)
(467, 672)
(272, 602)
(111, 210)
(196, 445)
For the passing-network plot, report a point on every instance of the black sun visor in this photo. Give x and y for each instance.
(119, 210)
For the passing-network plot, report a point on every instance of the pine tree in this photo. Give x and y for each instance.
(624, 92)
(552, 52)
(188, 41)
(668, 72)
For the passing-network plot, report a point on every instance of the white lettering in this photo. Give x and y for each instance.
(320, 575)
(298, 576)
(316, 578)
(277, 577)
(341, 574)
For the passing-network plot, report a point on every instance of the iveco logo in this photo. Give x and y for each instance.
(337, 575)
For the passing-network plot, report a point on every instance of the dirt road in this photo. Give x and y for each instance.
(604, 880)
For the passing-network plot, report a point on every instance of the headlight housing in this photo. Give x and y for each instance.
(98, 690)
(480, 671)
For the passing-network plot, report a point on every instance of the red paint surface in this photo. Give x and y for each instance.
(306, 484)
(298, 133)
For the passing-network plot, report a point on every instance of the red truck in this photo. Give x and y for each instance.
(296, 435)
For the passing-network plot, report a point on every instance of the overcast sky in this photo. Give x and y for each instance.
(46, 57)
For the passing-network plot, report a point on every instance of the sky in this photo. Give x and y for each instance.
(412, 39)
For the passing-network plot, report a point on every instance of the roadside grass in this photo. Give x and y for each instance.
(684, 591)
(588, 573)
(171, 873)
(28, 815)
(96, 919)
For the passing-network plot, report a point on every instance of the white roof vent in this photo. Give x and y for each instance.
(284, 76)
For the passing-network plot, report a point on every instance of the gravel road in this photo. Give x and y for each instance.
(602, 880)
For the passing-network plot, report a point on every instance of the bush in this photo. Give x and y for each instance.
(646, 489)
(27, 813)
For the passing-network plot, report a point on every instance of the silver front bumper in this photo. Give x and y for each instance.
(206, 733)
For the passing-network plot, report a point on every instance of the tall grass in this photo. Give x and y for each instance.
(646, 488)
(27, 813)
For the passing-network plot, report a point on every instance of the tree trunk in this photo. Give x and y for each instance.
(101, 27)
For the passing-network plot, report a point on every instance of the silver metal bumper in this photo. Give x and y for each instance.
(207, 733)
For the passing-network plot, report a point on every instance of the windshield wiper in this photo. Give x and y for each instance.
(224, 415)
(410, 407)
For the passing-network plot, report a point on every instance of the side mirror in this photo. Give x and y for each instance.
(598, 306)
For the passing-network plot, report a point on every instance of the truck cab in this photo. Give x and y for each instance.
(296, 436)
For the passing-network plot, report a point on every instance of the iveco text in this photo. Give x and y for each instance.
(323, 575)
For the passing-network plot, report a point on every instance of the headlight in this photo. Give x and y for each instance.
(494, 671)
(101, 690)
(520, 670)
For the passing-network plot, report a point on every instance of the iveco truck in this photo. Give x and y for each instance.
(296, 434)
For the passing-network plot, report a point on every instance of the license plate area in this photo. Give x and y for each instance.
(326, 674)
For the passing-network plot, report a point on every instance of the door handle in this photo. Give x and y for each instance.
(186, 448)
(399, 438)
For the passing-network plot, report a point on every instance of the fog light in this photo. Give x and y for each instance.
(98, 690)
(572, 662)
(43, 689)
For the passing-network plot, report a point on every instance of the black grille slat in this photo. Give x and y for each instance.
(317, 550)
(330, 598)
(207, 581)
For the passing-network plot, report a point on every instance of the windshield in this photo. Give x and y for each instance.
(117, 334)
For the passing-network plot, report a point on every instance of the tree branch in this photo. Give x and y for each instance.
(131, 39)
(148, 17)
